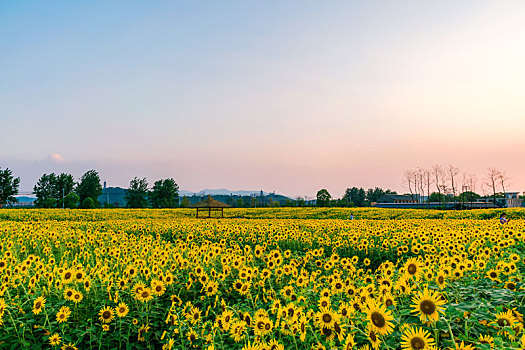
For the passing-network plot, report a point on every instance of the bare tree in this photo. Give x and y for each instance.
(410, 182)
(472, 181)
(427, 179)
(437, 174)
(452, 173)
(504, 181)
(421, 183)
(492, 178)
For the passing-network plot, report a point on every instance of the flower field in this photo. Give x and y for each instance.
(262, 279)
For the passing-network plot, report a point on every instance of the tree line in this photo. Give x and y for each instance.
(62, 191)
(439, 183)
(352, 197)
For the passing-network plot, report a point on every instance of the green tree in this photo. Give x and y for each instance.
(88, 203)
(65, 185)
(436, 197)
(45, 191)
(71, 200)
(355, 195)
(51, 189)
(164, 194)
(8, 187)
(185, 202)
(323, 198)
(469, 196)
(137, 194)
(89, 187)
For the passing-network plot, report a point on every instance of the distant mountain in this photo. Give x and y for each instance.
(24, 199)
(220, 192)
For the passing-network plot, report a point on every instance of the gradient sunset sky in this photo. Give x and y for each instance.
(291, 96)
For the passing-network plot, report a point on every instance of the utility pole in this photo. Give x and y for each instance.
(62, 197)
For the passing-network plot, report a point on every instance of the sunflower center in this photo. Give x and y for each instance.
(417, 343)
(378, 320)
(327, 318)
(389, 302)
(503, 322)
(412, 268)
(38, 305)
(106, 315)
(373, 336)
(440, 279)
(427, 307)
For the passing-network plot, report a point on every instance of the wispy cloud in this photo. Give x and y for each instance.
(56, 158)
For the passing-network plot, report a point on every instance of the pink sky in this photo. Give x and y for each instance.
(291, 98)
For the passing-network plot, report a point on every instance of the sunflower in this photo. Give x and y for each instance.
(38, 304)
(67, 276)
(325, 318)
(441, 280)
(464, 346)
(55, 339)
(63, 314)
(69, 347)
(416, 339)
(77, 297)
(142, 330)
(486, 339)
(194, 315)
(324, 302)
(301, 325)
(211, 288)
(373, 338)
(389, 300)
(379, 317)
(122, 310)
(262, 325)
(106, 314)
(226, 319)
(505, 319)
(158, 287)
(428, 305)
(413, 268)
(144, 295)
(68, 293)
(237, 330)
(349, 342)
(493, 275)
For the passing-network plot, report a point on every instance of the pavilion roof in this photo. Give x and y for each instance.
(209, 203)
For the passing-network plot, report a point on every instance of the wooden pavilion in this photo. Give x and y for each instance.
(209, 205)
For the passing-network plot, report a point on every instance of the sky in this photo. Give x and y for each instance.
(285, 96)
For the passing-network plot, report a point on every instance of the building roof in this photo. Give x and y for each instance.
(209, 203)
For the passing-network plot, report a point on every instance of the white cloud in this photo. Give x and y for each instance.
(56, 158)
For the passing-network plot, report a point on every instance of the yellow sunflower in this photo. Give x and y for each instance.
(428, 305)
(106, 314)
(325, 318)
(38, 304)
(379, 317)
(416, 339)
(122, 310)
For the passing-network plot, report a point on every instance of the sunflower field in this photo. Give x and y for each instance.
(261, 279)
